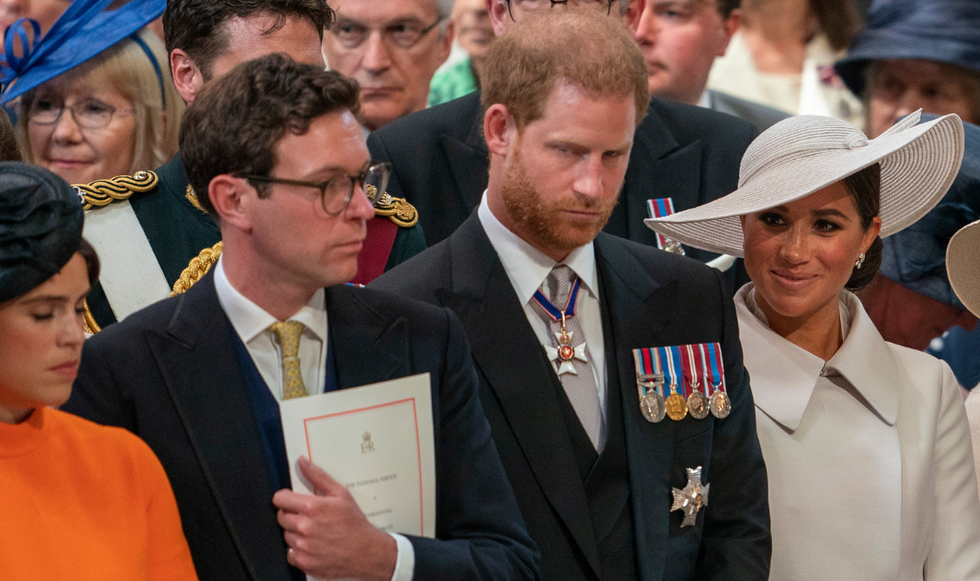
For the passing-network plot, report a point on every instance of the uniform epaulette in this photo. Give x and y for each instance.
(397, 210)
(104, 192)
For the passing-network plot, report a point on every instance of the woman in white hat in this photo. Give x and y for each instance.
(963, 268)
(866, 443)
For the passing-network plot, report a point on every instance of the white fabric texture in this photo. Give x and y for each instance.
(871, 473)
(802, 155)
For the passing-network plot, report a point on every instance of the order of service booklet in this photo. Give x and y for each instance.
(377, 440)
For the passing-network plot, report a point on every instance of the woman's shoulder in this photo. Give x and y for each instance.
(83, 438)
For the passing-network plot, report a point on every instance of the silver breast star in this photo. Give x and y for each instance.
(691, 498)
(566, 366)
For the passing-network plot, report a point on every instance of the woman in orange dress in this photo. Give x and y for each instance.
(78, 501)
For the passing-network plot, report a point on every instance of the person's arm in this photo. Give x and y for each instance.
(169, 557)
(479, 528)
(736, 542)
(954, 553)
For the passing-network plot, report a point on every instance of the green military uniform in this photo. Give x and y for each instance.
(178, 229)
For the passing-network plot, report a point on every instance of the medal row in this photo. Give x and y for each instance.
(680, 380)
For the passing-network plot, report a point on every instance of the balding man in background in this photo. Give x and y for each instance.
(392, 48)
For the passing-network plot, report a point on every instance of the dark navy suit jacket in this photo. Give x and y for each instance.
(169, 374)
(651, 298)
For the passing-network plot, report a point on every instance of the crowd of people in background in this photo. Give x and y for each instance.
(644, 249)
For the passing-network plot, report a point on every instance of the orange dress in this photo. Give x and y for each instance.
(85, 502)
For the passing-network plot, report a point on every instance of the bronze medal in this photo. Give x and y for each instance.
(652, 407)
(676, 407)
(721, 406)
(697, 405)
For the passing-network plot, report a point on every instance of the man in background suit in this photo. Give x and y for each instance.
(594, 479)
(199, 376)
(680, 40)
(440, 157)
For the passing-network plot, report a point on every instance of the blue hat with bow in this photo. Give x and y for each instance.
(946, 31)
(916, 256)
(84, 30)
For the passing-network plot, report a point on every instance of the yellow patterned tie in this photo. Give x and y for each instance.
(287, 335)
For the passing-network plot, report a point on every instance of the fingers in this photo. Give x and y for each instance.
(323, 484)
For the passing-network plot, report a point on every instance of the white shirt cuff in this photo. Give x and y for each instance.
(405, 565)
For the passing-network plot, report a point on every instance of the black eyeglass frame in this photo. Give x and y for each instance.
(32, 115)
(609, 4)
(371, 191)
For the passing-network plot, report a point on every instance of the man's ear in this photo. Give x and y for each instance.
(633, 13)
(230, 199)
(729, 26)
(499, 15)
(447, 41)
(187, 76)
(499, 129)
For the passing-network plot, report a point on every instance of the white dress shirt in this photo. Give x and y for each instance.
(251, 322)
(527, 268)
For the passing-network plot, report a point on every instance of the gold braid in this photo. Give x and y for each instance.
(91, 327)
(198, 267)
(104, 192)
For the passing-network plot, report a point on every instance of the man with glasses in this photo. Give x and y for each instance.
(392, 48)
(199, 377)
(440, 158)
(158, 239)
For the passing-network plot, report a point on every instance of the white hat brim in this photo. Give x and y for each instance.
(918, 165)
(963, 265)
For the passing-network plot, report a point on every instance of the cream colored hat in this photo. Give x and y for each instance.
(963, 265)
(801, 155)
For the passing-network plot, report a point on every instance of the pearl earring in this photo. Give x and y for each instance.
(859, 261)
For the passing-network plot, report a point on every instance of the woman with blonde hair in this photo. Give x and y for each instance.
(96, 99)
(866, 442)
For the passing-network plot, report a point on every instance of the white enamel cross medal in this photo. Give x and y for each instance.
(562, 356)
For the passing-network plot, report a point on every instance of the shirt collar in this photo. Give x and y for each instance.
(250, 320)
(526, 266)
(784, 375)
(705, 100)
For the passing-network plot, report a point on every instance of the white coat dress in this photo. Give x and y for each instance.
(871, 473)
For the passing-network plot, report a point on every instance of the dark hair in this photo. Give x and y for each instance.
(840, 20)
(865, 190)
(91, 261)
(578, 47)
(9, 150)
(725, 7)
(197, 27)
(234, 124)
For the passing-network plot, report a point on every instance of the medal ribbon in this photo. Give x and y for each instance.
(647, 364)
(714, 358)
(672, 357)
(552, 310)
(658, 208)
(692, 370)
(705, 370)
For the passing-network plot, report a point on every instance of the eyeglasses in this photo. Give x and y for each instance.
(540, 5)
(337, 192)
(401, 33)
(88, 114)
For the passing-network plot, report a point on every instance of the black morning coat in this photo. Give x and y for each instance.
(169, 374)
(648, 298)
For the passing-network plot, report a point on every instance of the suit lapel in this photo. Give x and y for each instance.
(470, 159)
(658, 168)
(196, 357)
(368, 347)
(642, 311)
(483, 298)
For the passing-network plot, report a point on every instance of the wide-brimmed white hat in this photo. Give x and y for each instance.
(963, 265)
(801, 155)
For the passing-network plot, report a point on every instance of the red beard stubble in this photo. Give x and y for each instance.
(541, 222)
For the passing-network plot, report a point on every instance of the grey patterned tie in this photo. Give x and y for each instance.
(580, 385)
